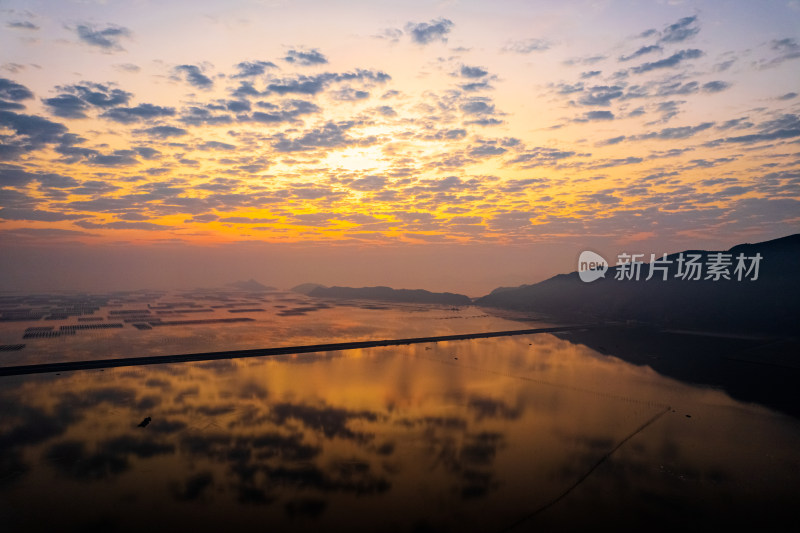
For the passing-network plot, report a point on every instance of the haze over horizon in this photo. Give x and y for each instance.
(456, 146)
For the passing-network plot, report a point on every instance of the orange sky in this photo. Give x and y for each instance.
(509, 134)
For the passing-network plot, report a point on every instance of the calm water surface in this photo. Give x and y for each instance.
(520, 433)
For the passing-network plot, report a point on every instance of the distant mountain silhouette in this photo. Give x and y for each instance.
(388, 294)
(250, 285)
(305, 288)
(771, 303)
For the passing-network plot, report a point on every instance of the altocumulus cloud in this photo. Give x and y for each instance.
(682, 132)
(715, 86)
(427, 32)
(786, 126)
(331, 135)
(74, 100)
(368, 183)
(98, 94)
(473, 72)
(305, 57)
(66, 106)
(641, 51)
(164, 132)
(288, 112)
(194, 76)
(671, 61)
(11, 90)
(106, 38)
(680, 31)
(249, 69)
(36, 215)
(32, 133)
(147, 226)
(22, 25)
(597, 115)
(127, 115)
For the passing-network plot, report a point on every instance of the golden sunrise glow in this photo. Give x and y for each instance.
(537, 124)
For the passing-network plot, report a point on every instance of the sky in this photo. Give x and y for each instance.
(454, 145)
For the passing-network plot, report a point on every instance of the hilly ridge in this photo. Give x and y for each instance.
(388, 294)
(770, 303)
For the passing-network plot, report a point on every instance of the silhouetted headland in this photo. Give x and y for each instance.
(769, 303)
(305, 288)
(387, 294)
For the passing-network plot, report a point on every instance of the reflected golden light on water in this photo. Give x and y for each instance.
(468, 435)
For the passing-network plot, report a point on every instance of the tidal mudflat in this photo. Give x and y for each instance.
(49, 328)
